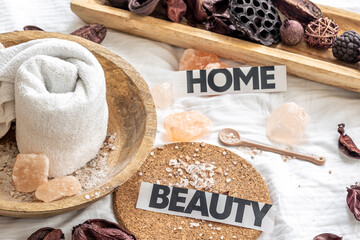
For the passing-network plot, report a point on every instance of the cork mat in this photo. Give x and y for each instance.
(232, 175)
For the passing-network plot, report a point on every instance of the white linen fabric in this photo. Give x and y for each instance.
(60, 101)
(309, 200)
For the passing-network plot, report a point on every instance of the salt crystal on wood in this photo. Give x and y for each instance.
(30, 171)
(58, 188)
(196, 59)
(287, 123)
(186, 126)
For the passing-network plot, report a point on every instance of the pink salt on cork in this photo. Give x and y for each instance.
(30, 171)
(58, 188)
(196, 59)
(186, 126)
(287, 123)
(163, 95)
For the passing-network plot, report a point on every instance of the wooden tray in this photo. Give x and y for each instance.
(131, 115)
(301, 60)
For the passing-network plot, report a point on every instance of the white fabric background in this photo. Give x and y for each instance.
(317, 206)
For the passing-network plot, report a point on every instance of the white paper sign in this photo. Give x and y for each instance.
(229, 81)
(206, 205)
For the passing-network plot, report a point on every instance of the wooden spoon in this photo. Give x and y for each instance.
(231, 137)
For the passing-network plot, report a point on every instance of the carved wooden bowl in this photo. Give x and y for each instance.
(131, 115)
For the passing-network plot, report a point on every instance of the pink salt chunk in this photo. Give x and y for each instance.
(216, 65)
(163, 95)
(196, 59)
(287, 123)
(30, 171)
(186, 126)
(58, 188)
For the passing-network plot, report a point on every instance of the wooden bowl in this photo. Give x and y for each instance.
(131, 115)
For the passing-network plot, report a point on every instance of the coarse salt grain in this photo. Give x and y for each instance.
(218, 228)
(224, 153)
(176, 147)
(141, 173)
(152, 153)
(87, 197)
(228, 180)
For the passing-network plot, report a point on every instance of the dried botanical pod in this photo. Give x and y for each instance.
(93, 32)
(195, 13)
(219, 17)
(258, 19)
(119, 3)
(175, 9)
(100, 229)
(142, 7)
(353, 200)
(47, 233)
(303, 11)
(327, 236)
(321, 33)
(32, 28)
(346, 144)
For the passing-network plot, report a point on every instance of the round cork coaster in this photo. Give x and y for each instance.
(166, 165)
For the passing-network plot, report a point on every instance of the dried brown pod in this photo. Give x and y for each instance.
(100, 229)
(195, 13)
(142, 7)
(219, 17)
(175, 9)
(321, 33)
(353, 200)
(47, 233)
(93, 32)
(257, 19)
(119, 3)
(32, 28)
(303, 11)
(346, 144)
(327, 236)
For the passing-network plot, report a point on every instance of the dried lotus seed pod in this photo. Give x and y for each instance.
(258, 19)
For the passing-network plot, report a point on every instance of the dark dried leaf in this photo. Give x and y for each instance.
(220, 25)
(142, 7)
(175, 9)
(32, 28)
(303, 11)
(47, 233)
(93, 32)
(346, 144)
(327, 236)
(119, 3)
(100, 229)
(353, 200)
(217, 7)
(195, 13)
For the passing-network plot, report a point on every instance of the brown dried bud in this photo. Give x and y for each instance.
(175, 9)
(353, 200)
(142, 7)
(327, 236)
(119, 3)
(47, 233)
(346, 144)
(93, 32)
(100, 229)
(32, 28)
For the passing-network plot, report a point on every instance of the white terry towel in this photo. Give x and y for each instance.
(60, 101)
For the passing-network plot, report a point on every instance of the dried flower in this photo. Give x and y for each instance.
(142, 7)
(175, 9)
(93, 32)
(32, 28)
(100, 229)
(346, 144)
(353, 200)
(327, 236)
(47, 233)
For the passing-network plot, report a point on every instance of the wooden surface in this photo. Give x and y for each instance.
(245, 183)
(131, 115)
(301, 60)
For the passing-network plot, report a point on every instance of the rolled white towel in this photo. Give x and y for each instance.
(60, 101)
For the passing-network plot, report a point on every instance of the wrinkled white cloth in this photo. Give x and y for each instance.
(317, 206)
(60, 101)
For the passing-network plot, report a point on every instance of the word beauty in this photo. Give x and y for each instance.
(230, 80)
(206, 205)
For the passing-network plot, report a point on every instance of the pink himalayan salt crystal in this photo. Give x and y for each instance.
(287, 123)
(163, 95)
(58, 188)
(196, 59)
(30, 171)
(216, 65)
(186, 126)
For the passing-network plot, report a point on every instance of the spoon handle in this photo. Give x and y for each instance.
(314, 159)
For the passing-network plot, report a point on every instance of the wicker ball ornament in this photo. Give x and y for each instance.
(321, 33)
